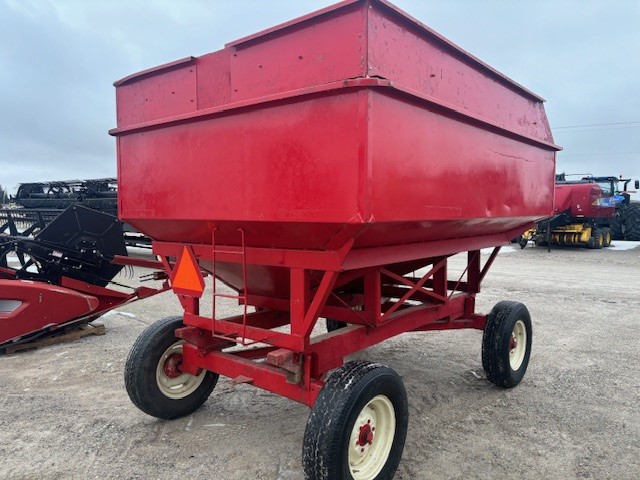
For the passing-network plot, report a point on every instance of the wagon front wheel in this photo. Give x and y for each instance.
(153, 378)
(506, 344)
(358, 424)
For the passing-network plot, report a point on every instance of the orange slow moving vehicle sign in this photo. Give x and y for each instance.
(186, 278)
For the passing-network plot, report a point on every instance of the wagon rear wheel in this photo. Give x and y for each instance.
(153, 378)
(506, 344)
(358, 424)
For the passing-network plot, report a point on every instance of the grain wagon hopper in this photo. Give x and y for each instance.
(308, 167)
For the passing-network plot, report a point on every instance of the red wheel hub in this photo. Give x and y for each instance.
(172, 365)
(513, 343)
(366, 435)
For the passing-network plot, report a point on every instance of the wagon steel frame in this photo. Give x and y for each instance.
(376, 302)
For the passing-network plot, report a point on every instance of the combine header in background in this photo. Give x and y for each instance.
(99, 194)
(58, 279)
(39, 203)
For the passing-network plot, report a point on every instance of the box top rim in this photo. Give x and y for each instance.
(398, 12)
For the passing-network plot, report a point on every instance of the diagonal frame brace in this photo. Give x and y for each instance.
(304, 314)
(418, 286)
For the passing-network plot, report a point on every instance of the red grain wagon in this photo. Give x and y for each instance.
(313, 168)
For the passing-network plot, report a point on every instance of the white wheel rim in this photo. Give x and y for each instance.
(517, 345)
(371, 438)
(178, 385)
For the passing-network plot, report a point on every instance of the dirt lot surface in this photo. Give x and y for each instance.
(65, 414)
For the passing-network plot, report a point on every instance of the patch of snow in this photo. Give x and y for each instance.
(623, 245)
(505, 249)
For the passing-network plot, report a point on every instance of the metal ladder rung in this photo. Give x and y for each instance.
(227, 295)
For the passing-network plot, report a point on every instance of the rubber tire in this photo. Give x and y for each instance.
(333, 325)
(333, 416)
(140, 374)
(615, 225)
(597, 239)
(632, 222)
(496, 340)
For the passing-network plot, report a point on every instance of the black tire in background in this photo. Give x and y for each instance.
(597, 239)
(616, 225)
(631, 221)
(333, 325)
(506, 344)
(154, 391)
(357, 426)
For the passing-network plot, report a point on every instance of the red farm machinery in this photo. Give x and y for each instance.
(307, 167)
(59, 278)
(625, 224)
(589, 212)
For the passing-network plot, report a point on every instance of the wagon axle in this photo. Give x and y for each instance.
(366, 434)
(172, 365)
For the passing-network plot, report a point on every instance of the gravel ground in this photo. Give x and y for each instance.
(64, 412)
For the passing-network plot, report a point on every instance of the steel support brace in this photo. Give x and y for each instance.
(372, 298)
(438, 294)
(487, 265)
(299, 299)
(319, 300)
(331, 348)
(231, 330)
(261, 375)
(473, 271)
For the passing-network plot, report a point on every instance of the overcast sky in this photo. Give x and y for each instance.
(59, 58)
